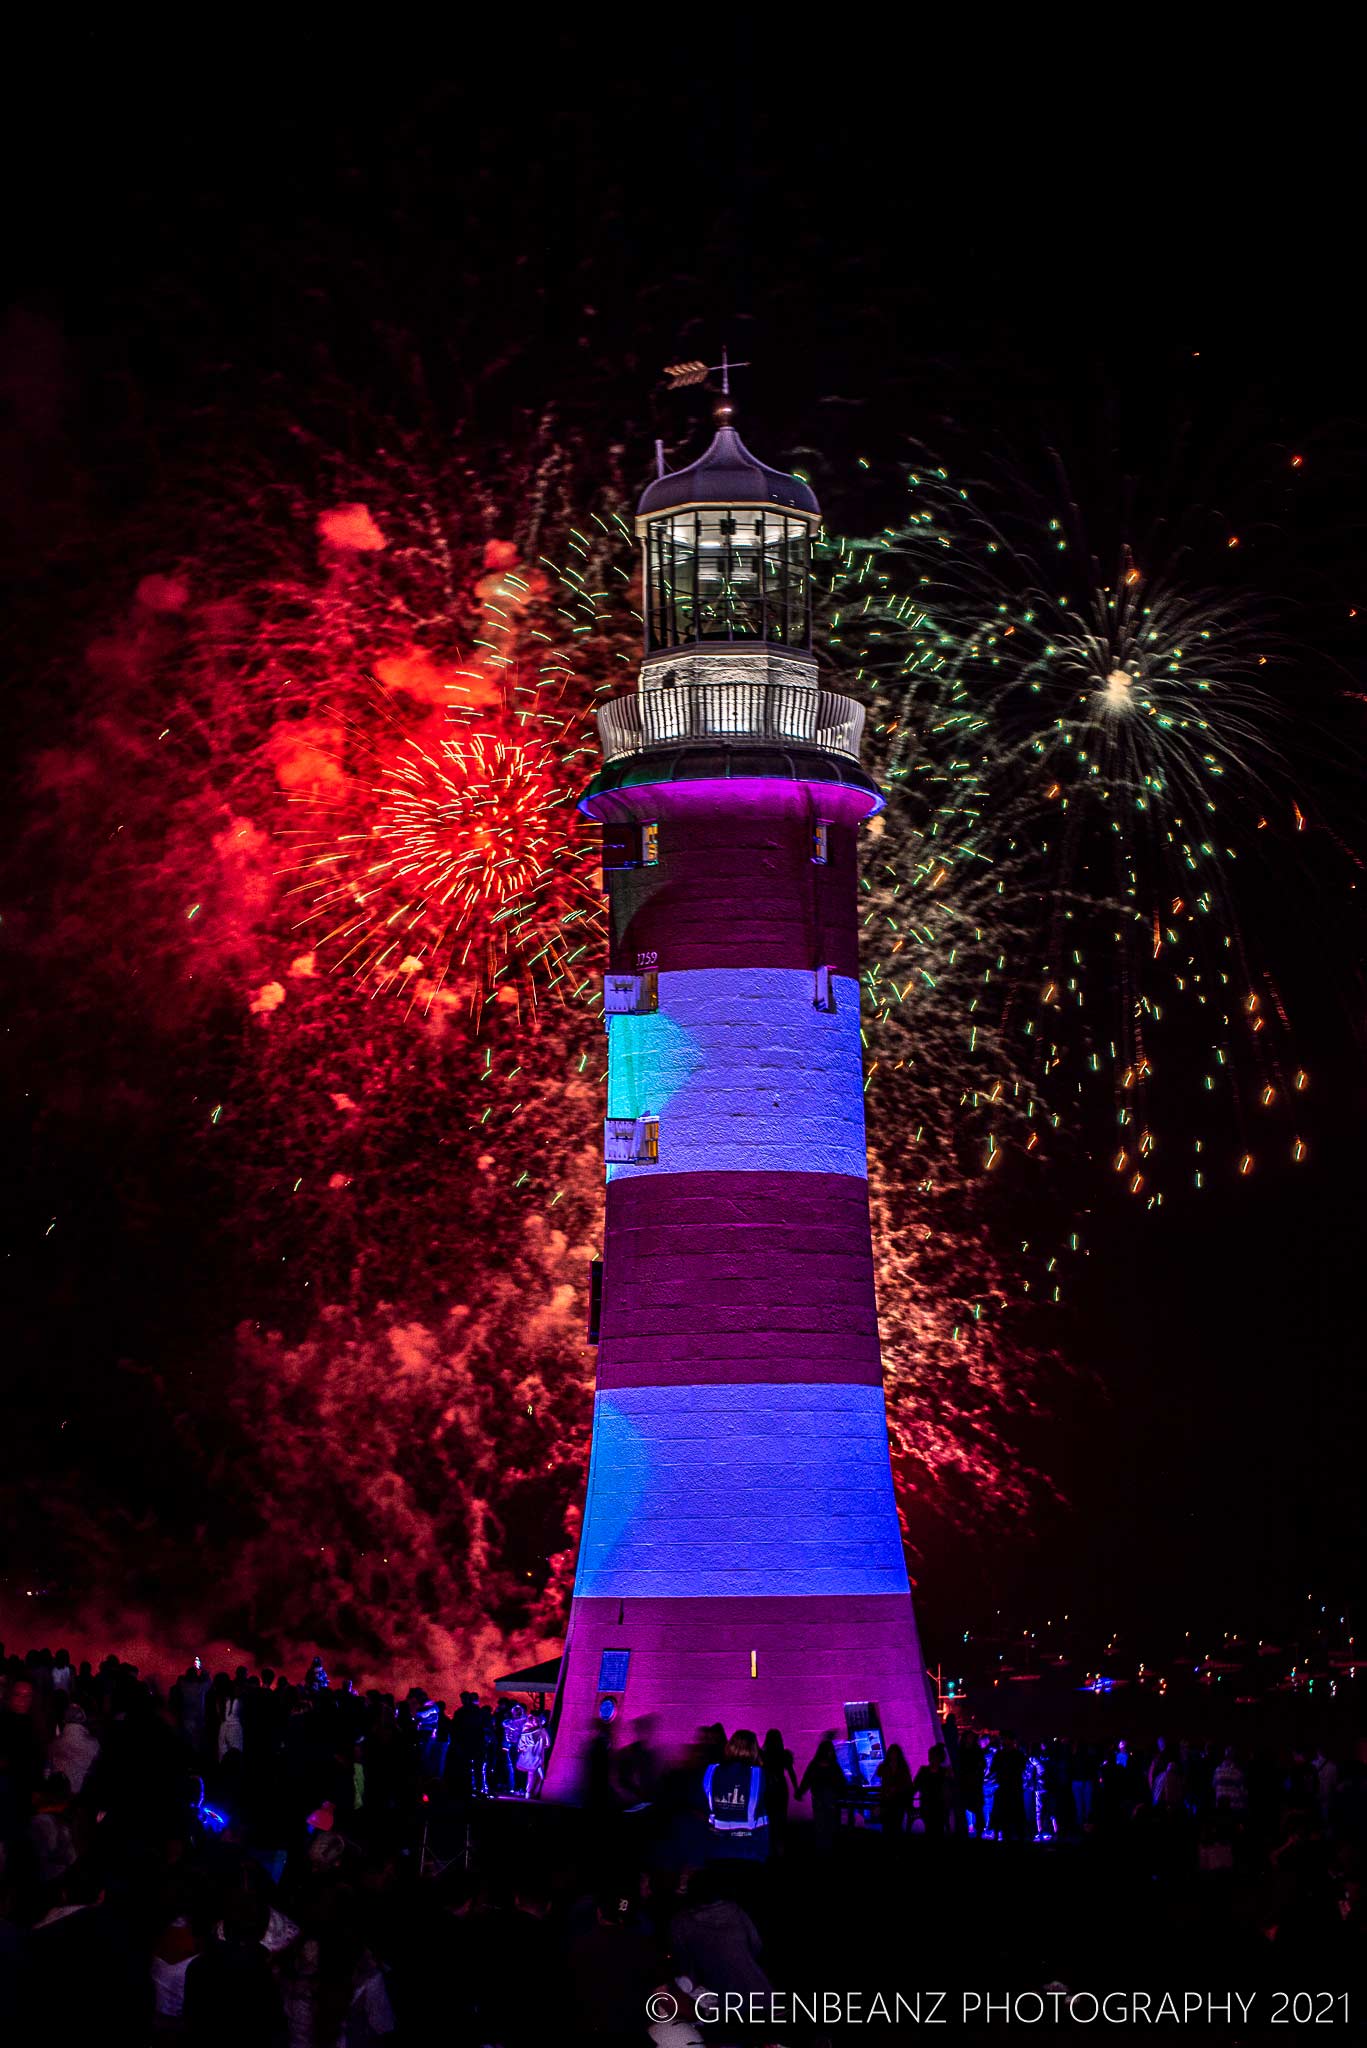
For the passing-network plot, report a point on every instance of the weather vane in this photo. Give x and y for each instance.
(682, 374)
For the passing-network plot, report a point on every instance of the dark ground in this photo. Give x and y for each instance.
(987, 1918)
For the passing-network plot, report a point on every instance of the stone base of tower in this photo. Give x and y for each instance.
(691, 1664)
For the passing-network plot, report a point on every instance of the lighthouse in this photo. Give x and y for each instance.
(740, 1559)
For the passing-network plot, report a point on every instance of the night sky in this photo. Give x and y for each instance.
(1153, 273)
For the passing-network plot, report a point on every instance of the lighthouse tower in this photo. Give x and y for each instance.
(741, 1559)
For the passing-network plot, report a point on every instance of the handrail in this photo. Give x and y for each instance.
(729, 714)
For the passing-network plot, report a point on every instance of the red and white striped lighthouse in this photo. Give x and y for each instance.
(741, 1559)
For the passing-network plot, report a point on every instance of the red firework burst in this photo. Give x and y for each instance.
(467, 876)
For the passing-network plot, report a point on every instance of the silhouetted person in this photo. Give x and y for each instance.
(970, 1771)
(22, 1740)
(230, 1993)
(711, 1744)
(895, 1792)
(85, 1968)
(600, 1790)
(1230, 1784)
(467, 1745)
(1158, 1762)
(823, 1782)
(611, 1966)
(780, 1777)
(1169, 1786)
(1082, 1774)
(1008, 1791)
(713, 1940)
(636, 1767)
(934, 1786)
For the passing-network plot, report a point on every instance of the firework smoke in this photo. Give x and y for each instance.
(399, 1196)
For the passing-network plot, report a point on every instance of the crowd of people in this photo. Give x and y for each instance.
(245, 1858)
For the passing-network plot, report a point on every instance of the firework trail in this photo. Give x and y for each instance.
(1090, 771)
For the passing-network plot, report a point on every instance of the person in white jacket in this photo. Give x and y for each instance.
(532, 1746)
(230, 1727)
(72, 1753)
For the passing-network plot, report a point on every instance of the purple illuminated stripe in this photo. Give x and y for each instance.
(739, 1490)
(738, 1277)
(753, 803)
(691, 1664)
(735, 885)
(744, 1073)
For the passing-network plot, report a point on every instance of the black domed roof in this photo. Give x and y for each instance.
(727, 474)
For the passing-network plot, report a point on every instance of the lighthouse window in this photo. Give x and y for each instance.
(630, 846)
(729, 605)
(821, 842)
(797, 543)
(728, 573)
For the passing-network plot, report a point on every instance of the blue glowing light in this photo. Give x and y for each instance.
(744, 1073)
(700, 1491)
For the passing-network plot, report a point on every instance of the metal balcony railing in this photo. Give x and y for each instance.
(730, 714)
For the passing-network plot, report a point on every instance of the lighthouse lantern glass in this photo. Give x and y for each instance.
(728, 573)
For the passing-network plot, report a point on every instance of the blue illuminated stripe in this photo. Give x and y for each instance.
(744, 1073)
(735, 1491)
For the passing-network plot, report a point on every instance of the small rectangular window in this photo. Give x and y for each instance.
(823, 997)
(821, 836)
(621, 847)
(613, 1668)
(595, 1299)
(630, 846)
